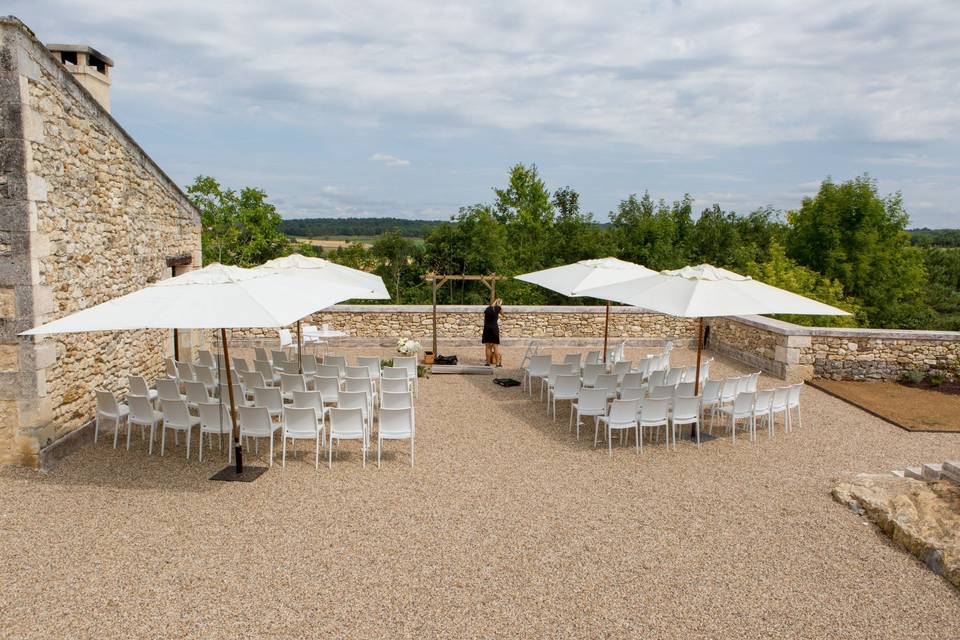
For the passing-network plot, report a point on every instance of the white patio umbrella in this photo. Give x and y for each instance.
(323, 273)
(708, 291)
(214, 297)
(572, 279)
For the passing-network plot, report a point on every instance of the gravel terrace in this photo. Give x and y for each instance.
(507, 527)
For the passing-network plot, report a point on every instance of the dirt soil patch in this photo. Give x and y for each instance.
(912, 408)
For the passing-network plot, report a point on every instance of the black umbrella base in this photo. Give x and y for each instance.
(229, 474)
(704, 437)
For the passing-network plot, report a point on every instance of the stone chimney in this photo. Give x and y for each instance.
(89, 66)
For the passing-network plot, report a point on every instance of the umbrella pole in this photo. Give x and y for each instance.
(299, 349)
(606, 330)
(237, 447)
(696, 374)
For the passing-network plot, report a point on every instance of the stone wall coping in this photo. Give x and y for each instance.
(478, 308)
(16, 23)
(789, 329)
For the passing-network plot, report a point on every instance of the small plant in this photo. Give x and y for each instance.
(421, 370)
(936, 379)
(915, 376)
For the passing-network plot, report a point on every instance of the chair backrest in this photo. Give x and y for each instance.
(606, 381)
(688, 373)
(185, 371)
(793, 398)
(197, 392)
(292, 382)
(286, 338)
(686, 407)
(684, 389)
(364, 385)
(259, 353)
(763, 400)
(328, 371)
(309, 362)
(408, 363)
(301, 420)
(655, 410)
(705, 369)
(623, 411)
(252, 379)
(729, 390)
(339, 362)
(215, 417)
(622, 368)
(171, 368)
(632, 379)
(396, 422)
(175, 413)
(540, 365)
(557, 370)
(241, 364)
(632, 393)
(255, 421)
(204, 374)
(308, 400)
(643, 367)
(752, 381)
(140, 408)
(567, 386)
(238, 391)
(168, 389)
(205, 358)
(573, 359)
(328, 386)
(138, 386)
(278, 356)
(268, 397)
(346, 422)
(394, 385)
(358, 372)
(265, 369)
(372, 363)
(593, 400)
(673, 375)
(291, 367)
(591, 371)
(657, 378)
(352, 400)
(781, 396)
(391, 373)
(711, 390)
(593, 357)
(397, 400)
(663, 361)
(661, 392)
(744, 401)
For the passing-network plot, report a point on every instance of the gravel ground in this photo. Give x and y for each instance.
(507, 527)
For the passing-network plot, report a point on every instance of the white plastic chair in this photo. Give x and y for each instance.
(710, 399)
(688, 373)
(241, 364)
(270, 399)
(290, 383)
(621, 368)
(329, 389)
(286, 338)
(752, 381)
(793, 402)
(256, 423)
(705, 370)
(357, 400)
(310, 364)
(197, 394)
(396, 424)
(215, 421)
(290, 367)
(729, 390)
(170, 367)
(591, 402)
(347, 424)
(265, 369)
(410, 364)
(312, 400)
(204, 375)
(686, 411)
(573, 359)
(185, 372)
(673, 376)
(329, 371)
(538, 370)
(657, 378)
(593, 357)
(643, 367)
(139, 387)
(762, 409)
(252, 380)
(168, 389)
(141, 413)
(654, 414)
(780, 404)
(176, 416)
(551, 379)
(566, 387)
(206, 359)
(393, 385)
(590, 373)
(682, 389)
(397, 400)
(239, 394)
(622, 417)
(358, 372)
(632, 393)
(278, 357)
(742, 409)
(259, 353)
(632, 379)
(364, 385)
(372, 363)
(339, 362)
(109, 409)
(302, 424)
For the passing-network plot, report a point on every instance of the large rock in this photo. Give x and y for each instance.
(923, 517)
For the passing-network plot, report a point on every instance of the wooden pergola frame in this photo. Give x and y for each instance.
(438, 280)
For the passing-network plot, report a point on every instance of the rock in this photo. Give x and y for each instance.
(922, 517)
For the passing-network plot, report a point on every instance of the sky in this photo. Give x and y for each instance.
(414, 109)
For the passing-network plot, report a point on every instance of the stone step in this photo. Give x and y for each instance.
(897, 472)
(931, 472)
(913, 472)
(951, 470)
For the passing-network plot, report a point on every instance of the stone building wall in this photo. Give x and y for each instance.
(94, 218)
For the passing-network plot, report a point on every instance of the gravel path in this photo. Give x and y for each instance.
(508, 527)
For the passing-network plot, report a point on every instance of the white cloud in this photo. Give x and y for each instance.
(389, 161)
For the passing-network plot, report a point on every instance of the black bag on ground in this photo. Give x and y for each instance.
(445, 359)
(506, 382)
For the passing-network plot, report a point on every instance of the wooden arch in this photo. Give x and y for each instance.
(438, 280)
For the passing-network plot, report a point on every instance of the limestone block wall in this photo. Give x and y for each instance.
(797, 353)
(92, 218)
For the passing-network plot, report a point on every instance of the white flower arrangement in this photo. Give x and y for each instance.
(408, 347)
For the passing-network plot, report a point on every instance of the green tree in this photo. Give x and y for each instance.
(355, 255)
(576, 235)
(655, 235)
(395, 254)
(847, 232)
(525, 209)
(239, 228)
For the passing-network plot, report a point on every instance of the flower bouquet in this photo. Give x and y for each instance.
(408, 347)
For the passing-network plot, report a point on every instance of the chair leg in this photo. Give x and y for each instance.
(411, 451)
(609, 442)
(379, 445)
(271, 449)
(200, 449)
(637, 430)
(283, 458)
(163, 440)
(189, 433)
(96, 428)
(116, 431)
(129, 428)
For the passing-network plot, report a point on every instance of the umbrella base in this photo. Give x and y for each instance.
(229, 474)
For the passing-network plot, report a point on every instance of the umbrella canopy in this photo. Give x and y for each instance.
(214, 297)
(572, 279)
(708, 291)
(331, 273)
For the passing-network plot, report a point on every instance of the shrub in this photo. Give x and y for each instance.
(913, 377)
(937, 379)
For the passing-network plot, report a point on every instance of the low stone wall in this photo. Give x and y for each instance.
(385, 323)
(793, 352)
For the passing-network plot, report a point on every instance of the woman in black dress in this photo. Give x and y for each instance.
(491, 332)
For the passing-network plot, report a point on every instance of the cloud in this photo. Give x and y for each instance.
(389, 161)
